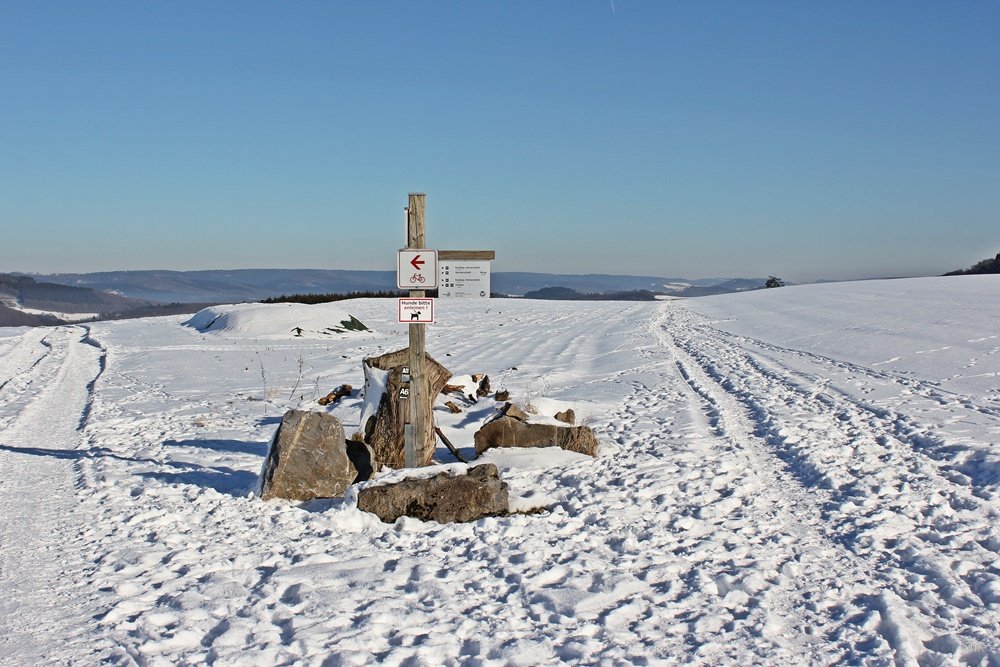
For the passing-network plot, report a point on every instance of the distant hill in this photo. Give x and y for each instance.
(21, 295)
(567, 294)
(985, 266)
(725, 287)
(221, 286)
(519, 283)
(11, 317)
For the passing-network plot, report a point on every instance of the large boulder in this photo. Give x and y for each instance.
(443, 498)
(308, 458)
(509, 432)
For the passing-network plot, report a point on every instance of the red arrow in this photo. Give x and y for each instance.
(416, 262)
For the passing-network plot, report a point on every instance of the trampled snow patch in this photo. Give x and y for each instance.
(277, 320)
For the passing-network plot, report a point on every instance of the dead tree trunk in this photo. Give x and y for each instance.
(383, 430)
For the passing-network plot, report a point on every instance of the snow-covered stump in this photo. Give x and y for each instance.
(384, 413)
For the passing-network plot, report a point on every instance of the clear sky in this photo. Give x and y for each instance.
(801, 139)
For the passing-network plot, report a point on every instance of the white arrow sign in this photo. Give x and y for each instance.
(416, 269)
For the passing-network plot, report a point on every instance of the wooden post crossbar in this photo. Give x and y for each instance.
(468, 255)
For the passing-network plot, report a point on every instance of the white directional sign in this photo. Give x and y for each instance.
(416, 311)
(464, 278)
(416, 269)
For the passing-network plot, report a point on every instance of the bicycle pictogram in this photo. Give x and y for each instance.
(418, 278)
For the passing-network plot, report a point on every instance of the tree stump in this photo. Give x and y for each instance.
(383, 426)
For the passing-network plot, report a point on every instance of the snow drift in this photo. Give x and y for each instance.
(277, 320)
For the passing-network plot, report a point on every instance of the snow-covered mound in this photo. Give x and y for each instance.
(277, 320)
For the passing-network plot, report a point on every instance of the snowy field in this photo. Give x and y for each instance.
(801, 476)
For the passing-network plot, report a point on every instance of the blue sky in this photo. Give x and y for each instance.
(697, 139)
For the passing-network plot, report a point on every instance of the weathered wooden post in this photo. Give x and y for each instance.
(415, 378)
(420, 416)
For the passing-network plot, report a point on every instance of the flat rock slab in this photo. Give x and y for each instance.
(509, 432)
(307, 459)
(445, 498)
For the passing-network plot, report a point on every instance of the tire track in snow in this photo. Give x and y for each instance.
(817, 579)
(972, 465)
(922, 529)
(929, 390)
(23, 354)
(41, 552)
(19, 371)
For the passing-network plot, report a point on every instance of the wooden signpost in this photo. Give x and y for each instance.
(417, 271)
(418, 428)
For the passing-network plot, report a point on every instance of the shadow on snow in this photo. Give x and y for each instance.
(220, 478)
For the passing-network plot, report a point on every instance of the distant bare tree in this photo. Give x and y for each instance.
(772, 281)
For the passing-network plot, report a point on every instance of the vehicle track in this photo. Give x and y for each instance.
(23, 355)
(22, 368)
(819, 573)
(41, 534)
(929, 390)
(881, 483)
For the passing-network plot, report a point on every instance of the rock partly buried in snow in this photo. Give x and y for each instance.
(567, 416)
(445, 498)
(307, 459)
(509, 432)
(514, 412)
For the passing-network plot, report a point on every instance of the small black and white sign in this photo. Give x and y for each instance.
(416, 311)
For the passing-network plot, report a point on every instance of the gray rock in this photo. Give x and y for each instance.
(308, 459)
(567, 416)
(443, 498)
(515, 412)
(508, 432)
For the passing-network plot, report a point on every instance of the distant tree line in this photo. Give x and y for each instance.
(985, 266)
(313, 299)
(569, 294)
